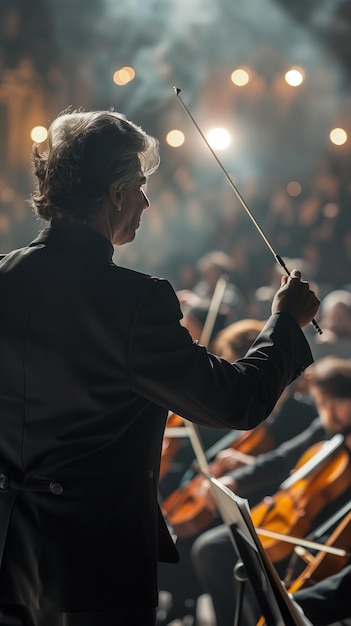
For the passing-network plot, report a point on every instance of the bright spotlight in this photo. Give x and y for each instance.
(240, 77)
(38, 134)
(218, 138)
(294, 77)
(338, 136)
(175, 138)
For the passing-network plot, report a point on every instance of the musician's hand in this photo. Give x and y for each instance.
(226, 461)
(296, 298)
(205, 491)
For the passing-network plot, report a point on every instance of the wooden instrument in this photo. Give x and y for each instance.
(170, 445)
(322, 474)
(186, 509)
(324, 564)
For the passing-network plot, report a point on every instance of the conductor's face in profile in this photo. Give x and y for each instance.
(122, 211)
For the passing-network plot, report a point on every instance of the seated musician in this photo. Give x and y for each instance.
(213, 555)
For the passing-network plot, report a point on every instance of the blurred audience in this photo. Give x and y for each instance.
(196, 303)
(335, 322)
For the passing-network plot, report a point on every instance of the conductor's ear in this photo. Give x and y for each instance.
(115, 195)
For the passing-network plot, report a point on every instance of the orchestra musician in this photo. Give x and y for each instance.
(213, 555)
(93, 358)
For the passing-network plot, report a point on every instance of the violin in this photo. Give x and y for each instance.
(254, 442)
(324, 564)
(186, 509)
(170, 445)
(322, 474)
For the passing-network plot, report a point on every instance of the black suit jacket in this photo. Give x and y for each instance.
(92, 358)
(329, 600)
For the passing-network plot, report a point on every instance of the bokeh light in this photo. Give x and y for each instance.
(294, 188)
(330, 210)
(123, 75)
(175, 138)
(338, 136)
(38, 134)
(294, 77)
(240, 77)
(218, 138)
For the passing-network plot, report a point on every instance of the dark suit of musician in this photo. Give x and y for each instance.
(328, 601)
(92, 358)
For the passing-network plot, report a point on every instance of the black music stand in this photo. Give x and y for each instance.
(276, 606)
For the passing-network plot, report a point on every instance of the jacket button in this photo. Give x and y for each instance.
(56, 488)
(4, 481)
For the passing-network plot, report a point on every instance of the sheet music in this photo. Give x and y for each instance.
(232, 514)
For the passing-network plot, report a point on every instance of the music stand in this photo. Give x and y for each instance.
(276, 606)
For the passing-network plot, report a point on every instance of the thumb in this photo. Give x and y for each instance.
(295, 274)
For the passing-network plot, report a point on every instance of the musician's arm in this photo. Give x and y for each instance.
(271, 468)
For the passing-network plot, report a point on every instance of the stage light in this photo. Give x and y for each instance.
(38, 134)
(175, 138)
(240, 77)
(218, 138)
(294, 77)
(338, 136)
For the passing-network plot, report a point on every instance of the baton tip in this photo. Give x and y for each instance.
(176, 91)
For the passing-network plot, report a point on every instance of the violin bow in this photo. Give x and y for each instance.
(213, 310)
(191, 428)
(278, 258)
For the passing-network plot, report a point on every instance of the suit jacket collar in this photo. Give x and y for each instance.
(71, 235)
